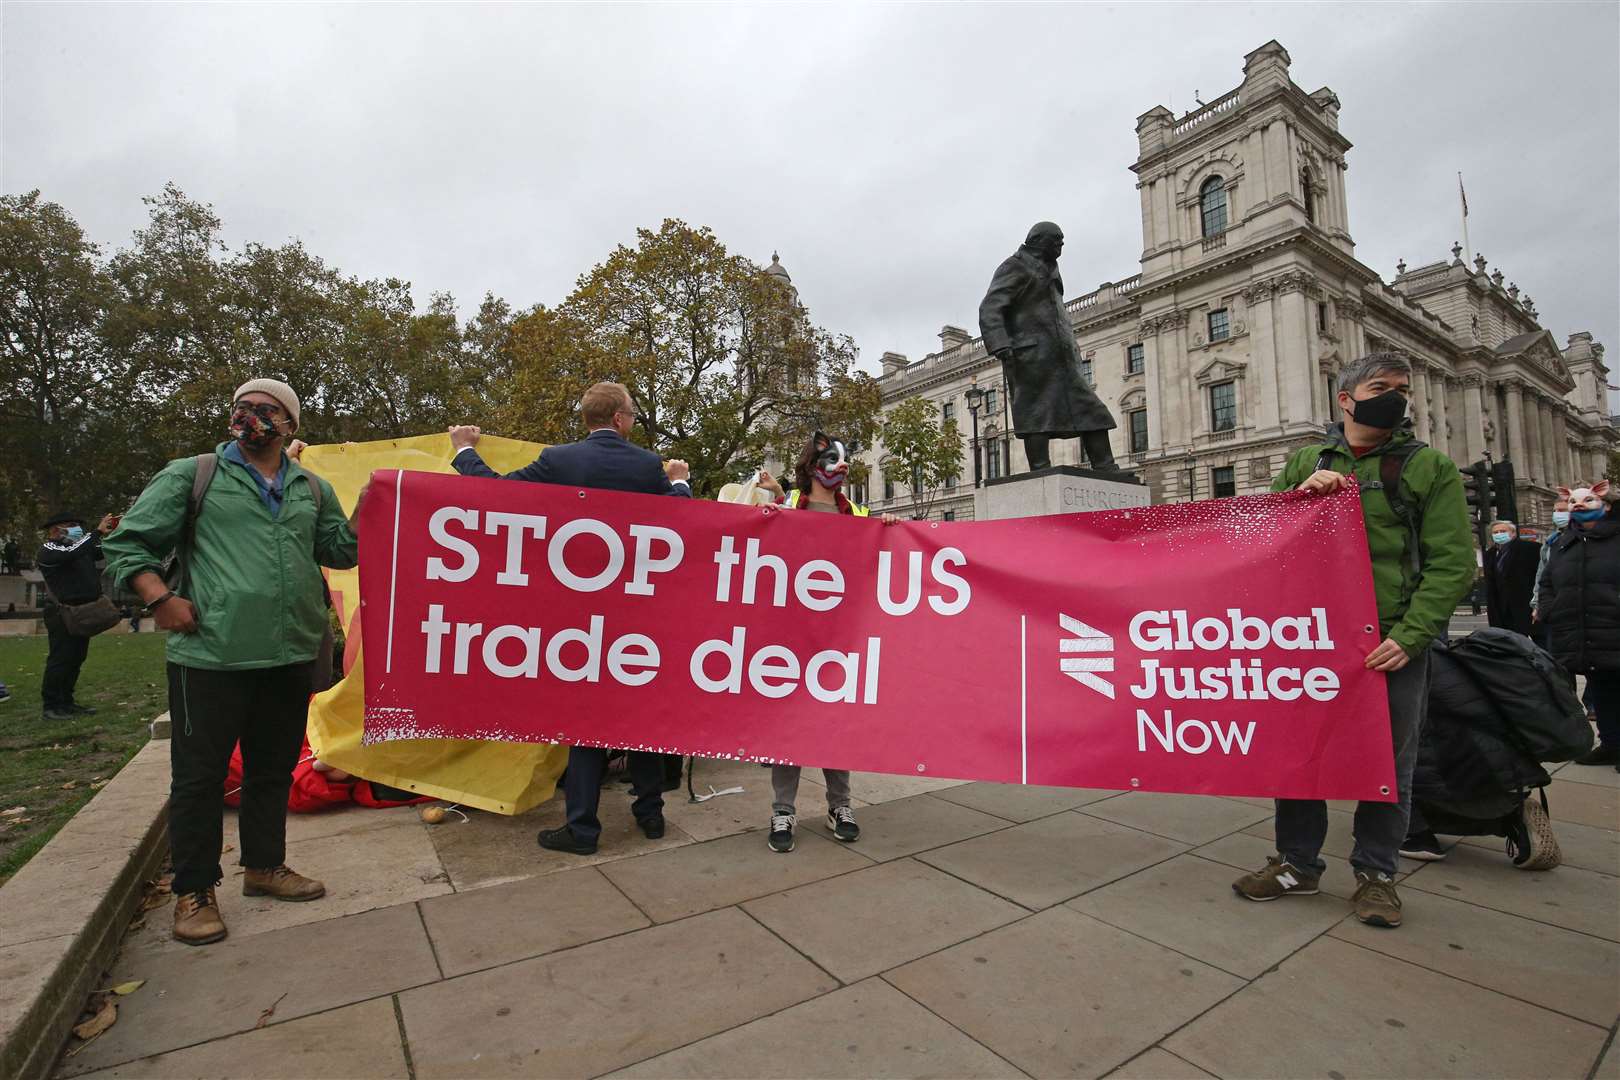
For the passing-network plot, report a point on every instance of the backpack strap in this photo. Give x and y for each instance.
(1391, 467)
(207, 465)
(178, 579)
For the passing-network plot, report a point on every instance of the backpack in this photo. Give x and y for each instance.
(1391, 467)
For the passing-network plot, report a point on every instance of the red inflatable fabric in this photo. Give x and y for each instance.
(313, 790)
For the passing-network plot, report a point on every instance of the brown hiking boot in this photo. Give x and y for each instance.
(1375, 901)
(1277, 878)
(196, 918)
(281, 883)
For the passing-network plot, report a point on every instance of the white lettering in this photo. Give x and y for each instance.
(516, 525)
(556, 555)
(630, 652)
(774, 662)
(645, 564)
(885, 591)
(753, 564)
(848, 662)
(732, 651)
(964, 592)
(591, 669)
(819, 576)
(437, 568)
(528, 667)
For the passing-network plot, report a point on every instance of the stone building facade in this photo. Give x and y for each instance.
(1218, 358)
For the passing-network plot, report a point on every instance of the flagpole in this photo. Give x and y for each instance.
(1468, 251)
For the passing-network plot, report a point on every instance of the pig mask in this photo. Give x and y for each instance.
(1585, 503)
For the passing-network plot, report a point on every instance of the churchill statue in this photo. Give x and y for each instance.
(1025, 327)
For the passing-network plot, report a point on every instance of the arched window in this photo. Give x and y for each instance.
(1309, 194)
(1212, 203)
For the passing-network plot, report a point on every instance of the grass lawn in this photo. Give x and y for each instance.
(52, 769)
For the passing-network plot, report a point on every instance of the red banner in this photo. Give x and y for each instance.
(1211, 647)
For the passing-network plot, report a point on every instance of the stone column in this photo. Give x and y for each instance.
(1420, 401)
(1298, 338)
(1440, 440)
(1566, 462)
(1473, 434)
(1514, 418)
(1549, 443)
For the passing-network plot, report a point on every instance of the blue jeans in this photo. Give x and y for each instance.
(1380, 826)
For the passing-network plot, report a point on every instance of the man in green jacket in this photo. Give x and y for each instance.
(1422, 563)
(244, 630)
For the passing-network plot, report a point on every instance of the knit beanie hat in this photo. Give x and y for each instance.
(275, 388)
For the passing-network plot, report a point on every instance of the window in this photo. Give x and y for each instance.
(888, 490)
(1133, 359)
(1138, 422)
(1308, 195)
(992, 461)
(1212, 206)
(1220, 327)
(1085, 369)
(947, 412)
(1333, 397)
(1224, 481)
(990, 403)
(1223, 406)
(859, 494)
(949, 515)
(1322, 317)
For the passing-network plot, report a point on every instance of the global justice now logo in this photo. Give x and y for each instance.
(1087, 655)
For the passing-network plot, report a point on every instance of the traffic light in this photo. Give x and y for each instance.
(1477, 483)
(1506, 500)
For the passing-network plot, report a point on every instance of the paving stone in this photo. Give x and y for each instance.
(1582, 845)
(1022, 802)
(701, 877)
(1609, 1067)
(340, 820)
(1157, 1064)
(1557, 969)
(866, 1030)
(485, 927)
(1192, 819)
(357, 1041)
(1584, 804)
(869, 921)
(609, 1004)
(210, 991)
(1569, 897)
(1370, 1016)
(728, 815)
(399, 865)
(875, 788)
(1601, 775)
(1045, 862)
(1187, 904)
(1061, 994)
(904, 827)
(490, 849)
(26, 970)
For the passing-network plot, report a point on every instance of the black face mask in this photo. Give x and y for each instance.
(1384, 412)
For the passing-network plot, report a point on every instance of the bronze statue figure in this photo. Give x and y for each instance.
(1025, 327)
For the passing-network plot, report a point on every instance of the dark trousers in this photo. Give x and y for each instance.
(64, 658)
(1603, 695)
(582, 788)
(1380, 826)
(209, 712)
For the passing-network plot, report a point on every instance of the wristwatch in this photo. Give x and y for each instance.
(154, 605)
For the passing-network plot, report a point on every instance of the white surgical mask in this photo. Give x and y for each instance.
(1561, 518)
(1501, 537)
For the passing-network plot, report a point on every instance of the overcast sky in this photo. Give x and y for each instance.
(893, 154)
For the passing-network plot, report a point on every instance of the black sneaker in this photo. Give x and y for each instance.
(652, 827)
(5, 695)
(781, 838)
(81, 710)
(841, 820)
(1530, 840)
(57, 714)
(563, 839)
(1423, 846)
(1602, 754)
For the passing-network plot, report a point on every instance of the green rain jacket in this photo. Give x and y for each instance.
(253, 578)
(1413, 606)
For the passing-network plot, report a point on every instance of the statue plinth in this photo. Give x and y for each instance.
(1059, 489)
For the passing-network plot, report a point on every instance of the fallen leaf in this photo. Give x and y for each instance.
(106, 1016)
(227, 848)
(97, 785)
(123, 989)
(70, 784)
(155, 900)
(14, 811)
(264, 1017)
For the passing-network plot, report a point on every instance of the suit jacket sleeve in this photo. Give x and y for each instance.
(1010, 279)
(468, 463)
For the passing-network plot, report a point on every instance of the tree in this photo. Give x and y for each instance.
(920, 451)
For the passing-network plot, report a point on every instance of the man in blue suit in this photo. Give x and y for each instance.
(605, 458)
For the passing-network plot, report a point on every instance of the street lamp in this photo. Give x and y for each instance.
(975, 402)
(1192, 478)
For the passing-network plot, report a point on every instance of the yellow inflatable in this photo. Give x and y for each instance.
(501, 777)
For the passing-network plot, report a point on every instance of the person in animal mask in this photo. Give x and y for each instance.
(1580, 605)
(819, 479)
(1422, 553)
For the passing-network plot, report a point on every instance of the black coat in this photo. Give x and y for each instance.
(1023, 311)
(1509, 583)
(1580, 597)
(601, 460)
(69, 568)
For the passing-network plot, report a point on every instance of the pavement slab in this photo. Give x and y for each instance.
(207, 992)
(904, 827)
(875, 788)
(1569, 897)
(1556, 969)
(1192, 819)
(609, 1004)
(489, 849)
(1583, 803)
(341, 820)
(1061, 994)
(357, 1042)
(399, 866)
(1022, 802)
(701, 877)
(1601, 775)
(1584, 846)
(1187, 904)
(485, 927)
(1365, 1015)
(1608, 1068)
(1157, 1064)
(869, 921)
(1046, 862)
(869, 1030)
